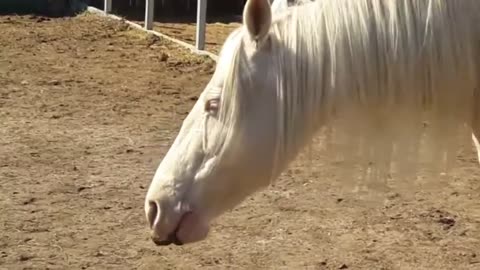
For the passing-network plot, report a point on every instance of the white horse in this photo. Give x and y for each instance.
(372, 71)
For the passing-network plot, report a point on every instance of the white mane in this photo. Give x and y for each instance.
(386, 81)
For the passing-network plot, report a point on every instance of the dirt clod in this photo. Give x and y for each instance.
(25, 257)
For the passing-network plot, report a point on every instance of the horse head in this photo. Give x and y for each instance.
(223, 152)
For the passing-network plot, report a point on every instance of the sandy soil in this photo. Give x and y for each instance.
(88, 107)
(215, 36)
(216, 32)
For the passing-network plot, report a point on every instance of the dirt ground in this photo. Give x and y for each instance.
(216, 31)
(214, 38)
(88, 107)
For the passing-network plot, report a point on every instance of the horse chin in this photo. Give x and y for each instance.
(191, 228)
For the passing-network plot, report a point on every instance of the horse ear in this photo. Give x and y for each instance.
(257, 17)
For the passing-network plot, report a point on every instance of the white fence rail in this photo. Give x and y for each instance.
(201, 24)
(149, 14)
(107, 7)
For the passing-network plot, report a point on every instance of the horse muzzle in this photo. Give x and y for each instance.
(171, 239)
(175, 227)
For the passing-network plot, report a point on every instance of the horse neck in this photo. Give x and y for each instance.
(335, 64)
(301, 99)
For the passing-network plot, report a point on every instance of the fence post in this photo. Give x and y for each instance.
(201, 24)
(107, 6)
(149, 13)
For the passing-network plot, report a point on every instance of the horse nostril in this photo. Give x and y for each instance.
(152, 213)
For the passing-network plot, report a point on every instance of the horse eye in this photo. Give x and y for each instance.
(212, 105)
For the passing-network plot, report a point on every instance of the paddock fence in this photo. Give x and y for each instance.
(142, 14)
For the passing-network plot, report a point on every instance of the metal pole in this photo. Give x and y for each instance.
(201, 24)
(149, 13)
(107, 6)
